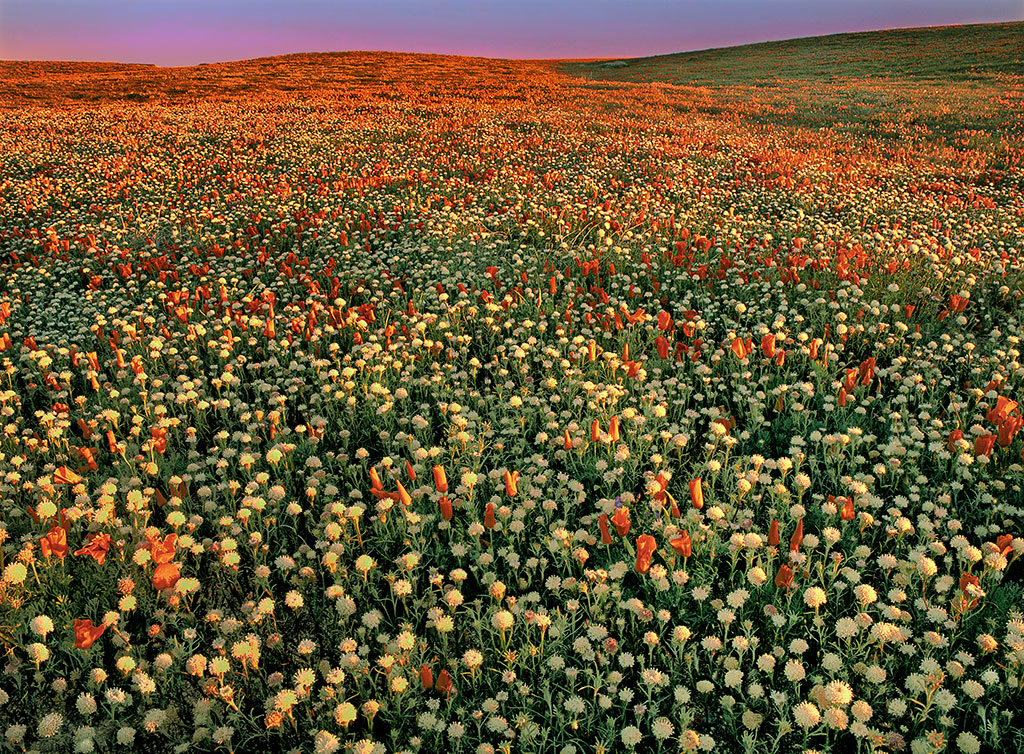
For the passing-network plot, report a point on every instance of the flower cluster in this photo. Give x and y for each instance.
(483, 409)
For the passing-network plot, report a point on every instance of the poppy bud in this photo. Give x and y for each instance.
(697, 494)
(784, 577)
(613, 429)
(426, 676)
(489, 516)
(798, 536)
(444, 682)
(404, 496)
(595, 431)
(446, 508)
(440, 480)
(511, 483)
(409, 472)
(375, 479)
(602, 524)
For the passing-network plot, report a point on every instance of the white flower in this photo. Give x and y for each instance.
(631, 736)
(806, 715)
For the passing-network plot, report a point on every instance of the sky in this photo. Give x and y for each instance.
(188, 32)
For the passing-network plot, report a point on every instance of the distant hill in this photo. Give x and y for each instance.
(977, 52)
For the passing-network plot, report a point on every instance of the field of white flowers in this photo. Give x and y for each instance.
(519, 415)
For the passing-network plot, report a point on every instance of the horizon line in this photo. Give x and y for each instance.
(506, 59)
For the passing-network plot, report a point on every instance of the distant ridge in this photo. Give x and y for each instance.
(992, 54)
(942, 53)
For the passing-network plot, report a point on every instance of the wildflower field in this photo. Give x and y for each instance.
(384, 403)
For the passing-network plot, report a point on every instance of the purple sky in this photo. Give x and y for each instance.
(186, 32)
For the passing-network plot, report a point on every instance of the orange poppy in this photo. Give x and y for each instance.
(1004, 406)
(55, 543)
(773, 533)
(86, 633)
(1008, 429)
(613, 429)
(567, 441)
(602, 524)
(697, 493)
(954, 437)
(595, 431)
(64, 475)
(163, 552)
(984, 445)
(410, 472)
(1005, 544)
(620, 518)
(440, 479)
(375, 479)
(446, 508)
(98, 546)
(444, 682)
(645, 548)
(798, 536)
(166, 576)
(426, 676)
(848, 513)
(511, 483)
(682, 544)
(489, 516)
(784, 577)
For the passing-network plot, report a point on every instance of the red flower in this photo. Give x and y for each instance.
(98, 547)
(682, 544)
(848, 513)
(954, 437)
(602, 523)
(55, 543)
(773, 533)
(645, 548)
(489, 516)
(697, 494)
(445, 504)
(86, 633)
(620, 518)
(426, 676)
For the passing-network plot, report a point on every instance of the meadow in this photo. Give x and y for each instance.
(384, 403)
